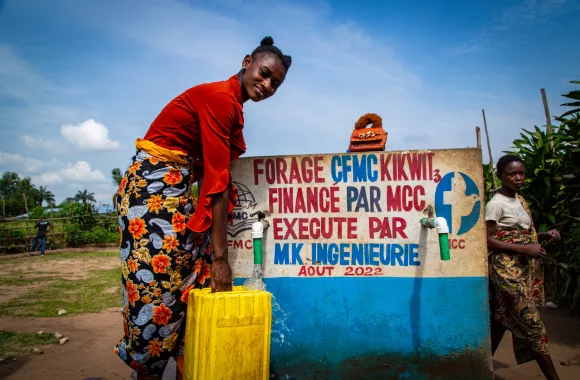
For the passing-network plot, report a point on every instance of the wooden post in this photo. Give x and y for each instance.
(478, 136)
(26, 222)
(548, 118)
(26, 206)
(53, 227)
(489, 150)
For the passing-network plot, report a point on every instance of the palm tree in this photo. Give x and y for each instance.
(117, 176)
(575, 96)
(84, 197)
(45, 195)
(68, 200)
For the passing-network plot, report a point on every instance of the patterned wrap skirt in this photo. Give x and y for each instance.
(161, 260)
(517, 293)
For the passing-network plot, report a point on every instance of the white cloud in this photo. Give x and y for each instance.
(45, 179)
(16, 163)
(78, 173)
(81, 172)
(33, 143)
(90, 135)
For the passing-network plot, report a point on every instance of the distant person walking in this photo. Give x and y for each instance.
(42, 226)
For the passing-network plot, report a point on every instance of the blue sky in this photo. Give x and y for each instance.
(81, 80)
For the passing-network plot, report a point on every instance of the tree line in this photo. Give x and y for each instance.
(16, 194)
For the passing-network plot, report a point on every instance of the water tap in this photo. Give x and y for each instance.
(440, 225)
(262, 219)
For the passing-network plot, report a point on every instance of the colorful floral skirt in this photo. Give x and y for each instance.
(516, 294)
(161, 260)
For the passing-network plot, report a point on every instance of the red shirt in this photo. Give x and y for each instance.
(206, 122)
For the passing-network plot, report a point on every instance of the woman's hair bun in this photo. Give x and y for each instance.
(267, 41)
(267, 47)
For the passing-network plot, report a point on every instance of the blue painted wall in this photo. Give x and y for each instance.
(380, 327)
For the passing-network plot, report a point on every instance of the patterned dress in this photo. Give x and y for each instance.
(162, 260)
(517, 292)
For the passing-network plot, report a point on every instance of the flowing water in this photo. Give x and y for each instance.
(255, 281)
(279, 316)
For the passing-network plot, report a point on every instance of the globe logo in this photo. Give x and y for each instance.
(242, 214)
(457, 194)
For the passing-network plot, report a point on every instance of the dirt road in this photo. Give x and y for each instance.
(564, 335)
(89, 353)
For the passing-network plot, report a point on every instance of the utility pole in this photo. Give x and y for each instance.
(548, 118)
(489, 150)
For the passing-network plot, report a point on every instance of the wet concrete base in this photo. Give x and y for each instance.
(469, 364)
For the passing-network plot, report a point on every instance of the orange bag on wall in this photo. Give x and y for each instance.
(365, 138)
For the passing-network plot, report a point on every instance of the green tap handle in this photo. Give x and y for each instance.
(444, 247)
(258, 251)
(257, 235)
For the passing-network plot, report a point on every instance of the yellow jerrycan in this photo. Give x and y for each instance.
(227, 335)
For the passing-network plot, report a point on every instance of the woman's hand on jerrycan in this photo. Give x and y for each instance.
(221, 276)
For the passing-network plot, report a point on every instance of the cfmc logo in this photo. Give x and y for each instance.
(455, 195)
(243, 217)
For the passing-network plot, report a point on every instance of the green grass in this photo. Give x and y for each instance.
(75, 296)
(49, 294)
(12, 343)
(81, 255)
(20, 281)
(61, 256)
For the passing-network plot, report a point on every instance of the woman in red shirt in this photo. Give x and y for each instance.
(168, 244)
